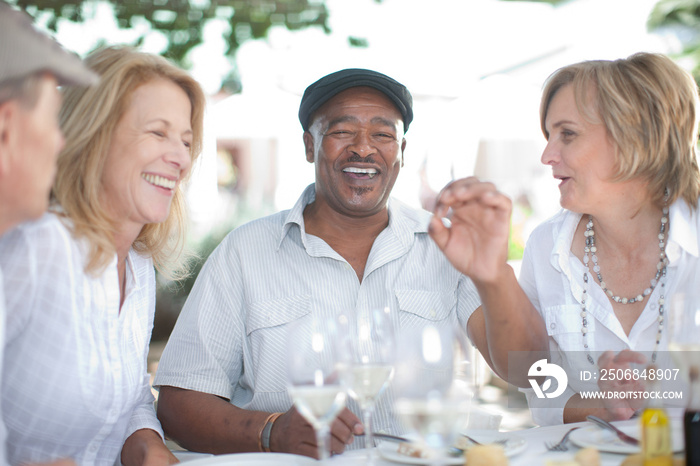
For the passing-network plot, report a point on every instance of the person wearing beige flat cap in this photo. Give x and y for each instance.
(32, 66)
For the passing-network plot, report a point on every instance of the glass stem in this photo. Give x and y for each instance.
(369, 428)
(367, 413)
(323, 439)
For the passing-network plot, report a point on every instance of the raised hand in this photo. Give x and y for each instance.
(476, 242)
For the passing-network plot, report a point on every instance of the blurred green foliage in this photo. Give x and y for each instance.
(182, 21)
(683, 16)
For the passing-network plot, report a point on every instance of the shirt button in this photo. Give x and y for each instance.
(552, 325)
(432, 313)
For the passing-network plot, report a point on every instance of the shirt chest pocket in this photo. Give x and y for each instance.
(266, 331)
(416, 307)
(564, 324)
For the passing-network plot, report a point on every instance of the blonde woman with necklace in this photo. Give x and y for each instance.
(621, 141)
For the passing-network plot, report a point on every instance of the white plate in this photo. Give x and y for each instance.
(390, 451)
(254, 459)
(514, 446)
(605, 440)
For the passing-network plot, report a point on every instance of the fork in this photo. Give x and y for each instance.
(561, 444)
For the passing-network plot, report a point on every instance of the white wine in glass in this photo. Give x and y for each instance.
(368, 337)
(313, 380)
(368, 381)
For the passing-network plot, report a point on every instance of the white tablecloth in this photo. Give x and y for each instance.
(535, 452)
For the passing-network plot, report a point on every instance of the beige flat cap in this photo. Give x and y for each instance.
(24, 50)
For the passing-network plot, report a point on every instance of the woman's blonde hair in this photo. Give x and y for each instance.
(649, 106)
(88, 119)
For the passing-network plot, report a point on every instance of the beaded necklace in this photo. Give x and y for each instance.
(659, 278)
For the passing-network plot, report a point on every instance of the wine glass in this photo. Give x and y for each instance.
(684, 329)
(314, 383)
(370, 348)
(433, 385)
(684, 346)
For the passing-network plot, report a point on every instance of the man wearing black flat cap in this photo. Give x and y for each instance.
(344, 246)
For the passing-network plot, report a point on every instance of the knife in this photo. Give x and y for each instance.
(392, 438)
(451, 451)
(606, 425)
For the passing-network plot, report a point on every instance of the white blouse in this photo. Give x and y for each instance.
(74, 381)
(552, 277)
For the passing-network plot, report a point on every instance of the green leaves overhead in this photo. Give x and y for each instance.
(182, 21)
(683, 17)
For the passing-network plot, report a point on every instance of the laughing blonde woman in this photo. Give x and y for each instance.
(80, 281)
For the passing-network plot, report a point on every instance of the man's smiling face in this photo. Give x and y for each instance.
(356, 141)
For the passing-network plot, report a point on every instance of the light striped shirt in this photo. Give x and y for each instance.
(74, 376)
(230, 337)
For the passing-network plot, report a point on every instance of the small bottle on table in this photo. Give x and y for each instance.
(656, 429)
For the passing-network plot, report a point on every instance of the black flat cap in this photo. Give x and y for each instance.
(328, 86)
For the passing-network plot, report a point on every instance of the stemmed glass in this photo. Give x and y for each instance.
(370, 347)
(314, 383)
(684, 329)
(684, 346)
(683, 322)
(433, 385)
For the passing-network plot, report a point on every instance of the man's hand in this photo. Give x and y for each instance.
(145, 447)
(476, 243)
(625, 407)
(291, 433)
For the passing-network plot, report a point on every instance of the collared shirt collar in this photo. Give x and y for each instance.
(683, 232)
(562, 241)
(403, 222)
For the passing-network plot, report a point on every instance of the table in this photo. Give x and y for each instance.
(534, 454)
